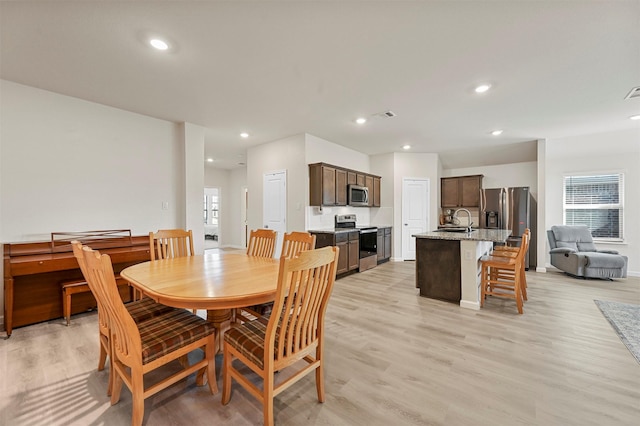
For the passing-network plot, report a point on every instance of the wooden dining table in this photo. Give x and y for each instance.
(217, 282)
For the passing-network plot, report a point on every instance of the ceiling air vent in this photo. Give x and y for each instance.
(386, 114)
(634, 93)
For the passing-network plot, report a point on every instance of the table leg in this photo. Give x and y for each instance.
(221, 319)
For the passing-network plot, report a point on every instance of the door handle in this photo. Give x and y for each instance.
(406, 224)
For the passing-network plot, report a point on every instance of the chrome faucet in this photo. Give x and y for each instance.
(469, 222)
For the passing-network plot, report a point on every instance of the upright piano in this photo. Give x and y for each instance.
(34, 272)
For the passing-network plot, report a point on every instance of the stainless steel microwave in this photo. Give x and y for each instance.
(358, 195)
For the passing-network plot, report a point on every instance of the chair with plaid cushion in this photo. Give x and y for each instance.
(139, 348)
(294, 330)
(140, 310)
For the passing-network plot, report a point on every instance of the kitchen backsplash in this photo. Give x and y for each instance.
(324, 218)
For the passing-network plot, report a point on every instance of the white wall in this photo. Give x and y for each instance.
(407, 165)
(71, 165)
(382, 165)
(284, 154)
(231, 184)
(604, 152)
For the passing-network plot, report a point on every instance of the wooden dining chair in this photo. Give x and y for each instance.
(295, 242)
(507, 251)
(137, 349)
(292, 244)
(262, 243)
(140, 310)
(294, 331)
(170, 243)
(502, 276)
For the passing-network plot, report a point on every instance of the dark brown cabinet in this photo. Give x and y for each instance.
(328, 185)
(341, 187)
(462, 191)
(354, 250)
(349, 244)
(368, 182)
(438, 269)
(384, 244)
(376, 192)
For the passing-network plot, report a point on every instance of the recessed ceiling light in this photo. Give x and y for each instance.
(210, 160)
(496, 132)
(361, 120)
(482, 88)
(244, 135)
(406, 146)
(159, 44)
(635, 117)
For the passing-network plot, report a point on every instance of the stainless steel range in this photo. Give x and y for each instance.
(368, 239)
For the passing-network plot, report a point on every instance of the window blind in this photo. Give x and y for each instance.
(597, 202)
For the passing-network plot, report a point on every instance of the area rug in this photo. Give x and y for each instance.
(625, 320)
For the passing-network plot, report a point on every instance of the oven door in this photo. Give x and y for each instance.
(368, 242)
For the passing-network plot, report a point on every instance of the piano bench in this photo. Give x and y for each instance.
(72, 287)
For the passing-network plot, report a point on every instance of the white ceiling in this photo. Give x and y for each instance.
(276, 69)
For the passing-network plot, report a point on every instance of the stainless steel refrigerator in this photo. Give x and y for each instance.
(510, 208)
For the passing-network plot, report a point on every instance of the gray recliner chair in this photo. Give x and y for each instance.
(573, 251)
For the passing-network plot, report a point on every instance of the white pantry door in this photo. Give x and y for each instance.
(415, 213)
(274, 205)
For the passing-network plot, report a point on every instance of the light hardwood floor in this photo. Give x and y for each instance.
(392, 358)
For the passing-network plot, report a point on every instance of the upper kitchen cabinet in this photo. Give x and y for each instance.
(376, 192)
(328, 185)
(461, 191)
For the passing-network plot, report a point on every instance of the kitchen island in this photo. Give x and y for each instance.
(447, 263)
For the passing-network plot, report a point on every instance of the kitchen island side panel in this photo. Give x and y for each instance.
(438, 269)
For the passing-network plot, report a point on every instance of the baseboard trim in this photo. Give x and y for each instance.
(470, 305)
(541, 269)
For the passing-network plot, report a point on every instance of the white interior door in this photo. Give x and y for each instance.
(274, 205)
(415, 213)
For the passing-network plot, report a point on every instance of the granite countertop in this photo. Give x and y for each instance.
(495, 235)
(331, 230)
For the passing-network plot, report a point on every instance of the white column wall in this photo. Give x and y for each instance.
(194, 182)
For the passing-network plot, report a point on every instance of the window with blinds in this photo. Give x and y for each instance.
(595, 201)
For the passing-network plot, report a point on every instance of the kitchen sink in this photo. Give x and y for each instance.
(452, 229)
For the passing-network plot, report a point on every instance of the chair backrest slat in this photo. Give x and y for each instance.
(304, 286)
(170, 243)
(295, 242)
(262, 243)
(125, 337)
